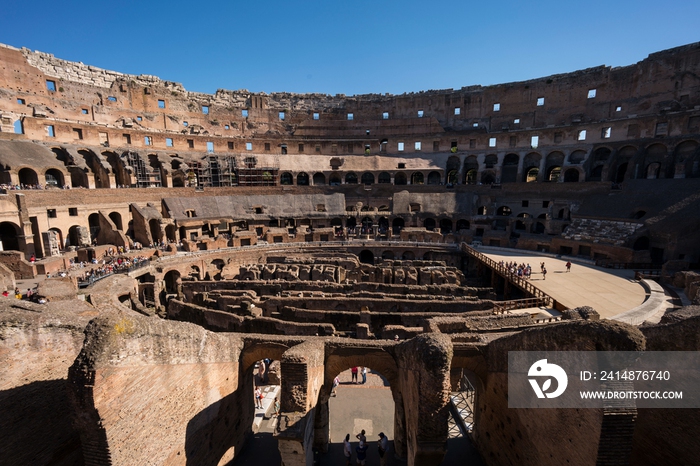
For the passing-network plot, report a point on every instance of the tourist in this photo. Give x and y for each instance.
(364, 375)
(361, 452)
(258, 397)
(261, 370)
(568, 266)
(361, 436)
(6, 293)
(336, 382)
(544, 273)
(347, 449)
(277, 407)
(382, 446)
(542, 266)
(353, 371)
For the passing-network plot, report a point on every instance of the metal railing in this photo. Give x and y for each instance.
(92, 279)
(503, 307)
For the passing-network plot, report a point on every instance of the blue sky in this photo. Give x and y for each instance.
(349, 48)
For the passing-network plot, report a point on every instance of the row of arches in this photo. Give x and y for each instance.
(367, 178)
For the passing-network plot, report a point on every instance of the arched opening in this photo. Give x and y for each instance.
(639, 214)
(509, 172)
(351, 178)
(571, 175)
(429, 224)
(488, 178)
(553, 173)
(504, 211)
(154, 227)
(520, 225)
(94, 224)
(445, 226)
(400, 179)
(453, 165)
(54, 178)
(397, 225)
(553, 164)
(171, 233)
(621, 172)
(452, 177)
(74, 237)
(433, 178)
(384, 178)
(388, 255)
(366, 256)
(462, 225)
(100, 174)
(319, 179)
(335, 180)
(171, 280)
(417, 178)
(367, 178)
(351, 222)
(538, 228)
(28, 177)
(286, 179)
(641, 244)
(217, 265)
(471, 176)
(596, 173)
(481, 210)
(576, 157)
(471, 168)
(116, 217)
(531, 175)
(367, 225)
(408, 256)
(9, 236)
(303, 179)
(194, 273)
(383, 225)
(653, 171)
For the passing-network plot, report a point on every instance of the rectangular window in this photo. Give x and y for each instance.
(496, 107)
(51, 213)
(147, 140)
(316, 116)
(453, 145)
(111, 98)
(540, 101)
(185, 124)
(205, 109)
(127, 139)
(244, 113)
(420, 113)
(281, 115)
(248, 146)
(534, 142)
(492, 142)
(458, 111)
(606, 132)
(385, 115)
(283, 149)
(351, 116)
(417, 145)
(50, 131)
(51, 85)
(475, 125)
(104, 139)
(618, 109)
(633, 130)
(161, 103)
(229, 144)
(210, 147)
(73, 211)
(77, 133)
(400, 147)
(267, 146)
(472, 143)
(301, 148)
(138, 118)
(661, 129)
(591, 93)
(84, 111)
(401, 166)
(516, 121)
(545, 204)
(526, 204)
(581, 135)
(227, 127)
(190, 143)
(168, 142)
(20, 101)
(318, 147)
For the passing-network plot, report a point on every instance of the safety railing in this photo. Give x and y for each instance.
(503, 307)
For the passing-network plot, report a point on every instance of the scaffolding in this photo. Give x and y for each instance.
(212, 171)
(143, 176)
(250, 173)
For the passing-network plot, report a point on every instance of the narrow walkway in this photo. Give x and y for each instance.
(608, 291)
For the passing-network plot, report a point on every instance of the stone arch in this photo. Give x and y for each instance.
(384, 178)
(9, 236)
(538, 228)
(553, 173)
(509, 171)
(54, 178)
(400, 179)
(367, 178)
(434, 178)
(100, 174)
(366, 256)
(74, 236)
(553, 165)
(462, 225)
(254, 351)
(408, 256)
(351, 178)
(286, 179)
(531, 175)
(504, 211)
(319, 179)
(429, 224)
(59, 233)
(116, 217)
(94, 224)
(217, 265)
(28, 177)
(682, 159)
(471, 169)
(417, 178)
(620, 165)
(335, 180)
(171, 280)
(577, 157)
(303, 179)
(154, 228)
(571, 175)
(488, 177)
(655, 153)
(171, 233)
(652, 171)
(445, 226)
(397, 225)
(531, 160)
(601, 157)
(388, 254)
(470, 176)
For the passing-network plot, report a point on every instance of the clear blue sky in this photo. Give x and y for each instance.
(330, 46)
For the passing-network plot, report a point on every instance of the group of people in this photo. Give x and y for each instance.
(362, 447)
(17, 187)
(113, 266)
(520, 270)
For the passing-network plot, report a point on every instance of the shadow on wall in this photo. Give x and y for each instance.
(39, 416)
(220, 430)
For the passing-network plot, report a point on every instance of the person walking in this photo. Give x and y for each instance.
(361, 436)
(382, 446)
(258, 397)
(568, 266)
(347, 450)
(544, 273)
(353, 371)
(336, 382)
(361, 453)
(277, 407)
(364, 375)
